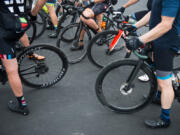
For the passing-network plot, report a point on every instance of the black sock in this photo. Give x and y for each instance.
(21, 101)
(165, 114)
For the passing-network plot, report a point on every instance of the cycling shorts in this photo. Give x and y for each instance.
(99, 8)
(164, 52)
(140, 14)
(50, 2)
(7, 46)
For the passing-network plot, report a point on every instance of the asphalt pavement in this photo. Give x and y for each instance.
(71, 106)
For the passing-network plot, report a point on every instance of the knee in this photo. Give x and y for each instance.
(11, 70)
(165, 84)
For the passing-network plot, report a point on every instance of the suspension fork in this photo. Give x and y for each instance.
(133, 74)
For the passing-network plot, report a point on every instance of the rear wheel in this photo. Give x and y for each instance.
(42, 73)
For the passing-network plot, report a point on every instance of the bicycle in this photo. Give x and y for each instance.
(109, 45)
(71, 34)
(40, 73)
(129, 95)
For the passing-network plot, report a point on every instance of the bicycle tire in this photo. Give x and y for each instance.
(43, 23)
(104, 56)
(22, 57)
(64, 44)
(100, 89)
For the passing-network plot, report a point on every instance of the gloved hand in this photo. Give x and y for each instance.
(122, 9)
(32, 18)
(133, 43)
(130, 28)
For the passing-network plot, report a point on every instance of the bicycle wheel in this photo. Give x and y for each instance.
(66, 40)
(99, 52)
(44, 73)
(40, 24)
(31, 32)
(111, 87)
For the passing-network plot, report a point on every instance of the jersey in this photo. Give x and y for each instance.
(170, 8)
(12, 6)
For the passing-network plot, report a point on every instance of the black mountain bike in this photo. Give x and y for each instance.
(40, 73)
(71, 34)
(118, 88)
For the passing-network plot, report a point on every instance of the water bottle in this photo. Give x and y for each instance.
(103, 24)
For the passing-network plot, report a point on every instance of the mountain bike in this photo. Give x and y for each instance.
(71, 34)
(118, 88)
(40, 73)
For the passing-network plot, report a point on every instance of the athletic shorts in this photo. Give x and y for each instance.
(50, 2)
(99, 8)
(164, 52)
(7, 46)
(140, 14)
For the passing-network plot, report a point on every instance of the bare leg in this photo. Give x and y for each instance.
(52, 14)
(11, 67)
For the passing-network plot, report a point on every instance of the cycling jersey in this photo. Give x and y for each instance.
(12, 6)
(9, 11)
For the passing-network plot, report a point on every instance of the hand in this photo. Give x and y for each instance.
(32, 18)
(130, 28)
(122, 9)
(133, 43)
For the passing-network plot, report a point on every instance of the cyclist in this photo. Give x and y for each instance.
(138, 15)
(87, 17)
(164, 30)
(12, 27)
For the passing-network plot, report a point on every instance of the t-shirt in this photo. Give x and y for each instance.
(170, 8)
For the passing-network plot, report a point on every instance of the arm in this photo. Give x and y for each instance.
(144, 20)
(163, 27)
(38, 6)
(129, 3)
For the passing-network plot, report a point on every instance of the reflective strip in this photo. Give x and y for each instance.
(165, 77)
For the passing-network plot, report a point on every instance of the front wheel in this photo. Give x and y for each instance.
(112, 87)
(103, 50)
(42, 73)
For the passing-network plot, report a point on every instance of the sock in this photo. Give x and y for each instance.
(55, 27)
(165, 114)
(21, 101)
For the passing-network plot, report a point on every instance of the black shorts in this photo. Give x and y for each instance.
(139, 15)
(7, 46)
(164, 52)
(99, 8)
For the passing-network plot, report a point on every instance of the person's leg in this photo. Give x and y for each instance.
(54, 20)
(88, 18)
(11, 67)
(52, 15)
(163, 60)
(99, 21)
(25, 41)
